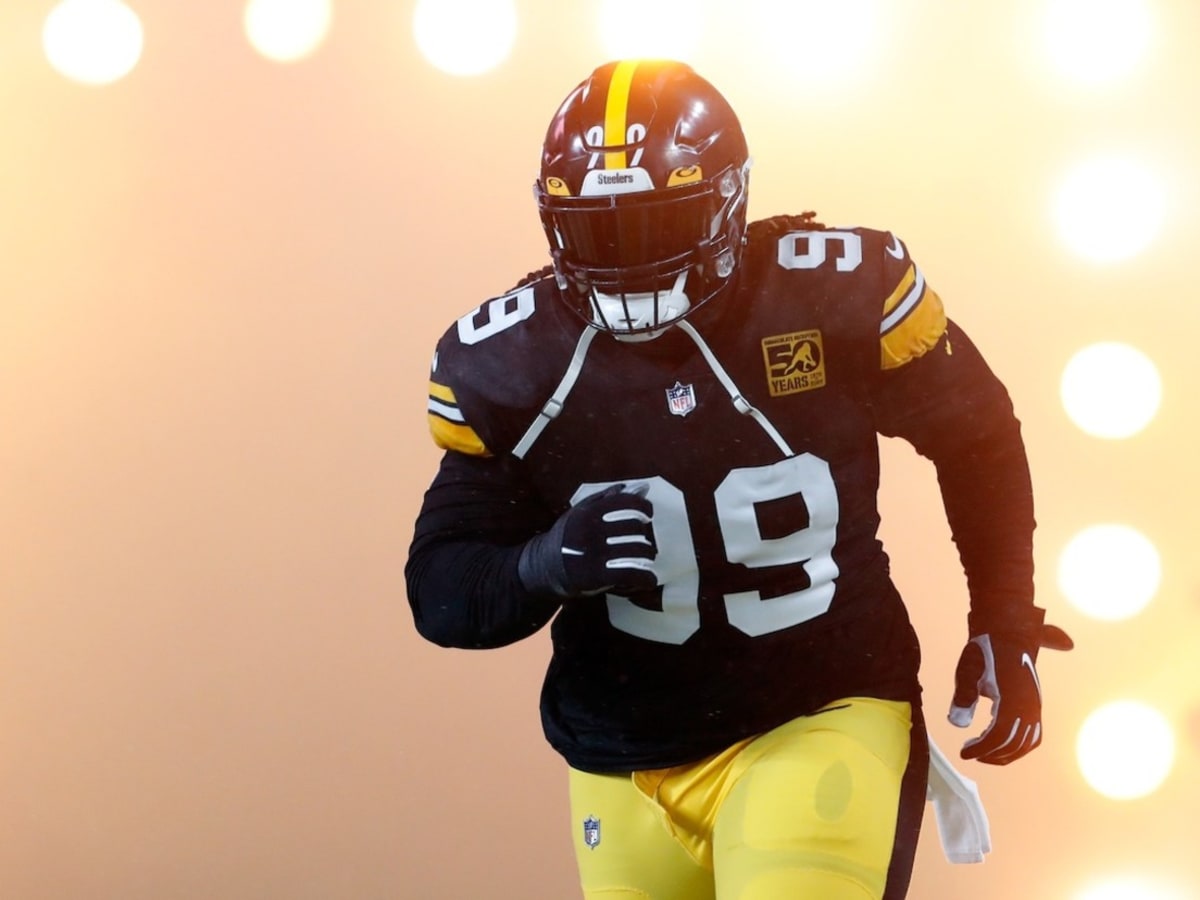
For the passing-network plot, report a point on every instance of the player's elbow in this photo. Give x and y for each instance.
(469, 596)
(436, 625)
(436, 619)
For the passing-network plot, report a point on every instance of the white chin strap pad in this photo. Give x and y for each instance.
(632, 312)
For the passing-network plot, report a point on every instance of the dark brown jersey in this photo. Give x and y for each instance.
(753, 426)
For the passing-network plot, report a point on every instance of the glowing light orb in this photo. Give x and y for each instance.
(287, 30)
(662, 32)
(834, 43)
(1109, 572)
(1125, 750)
(1129, 888)
(1111, 390)
(1097, 41)
(92, 41)
(1110, 210)
(465, 37)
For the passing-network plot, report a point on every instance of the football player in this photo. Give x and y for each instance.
(666, 442)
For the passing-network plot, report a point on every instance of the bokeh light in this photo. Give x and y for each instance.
(1109, 572)
(663, 32)
(92, 41)
(1131, 887)
(1109, 209)
(1097, 41)
(831, 43)
(1111, 390)
(1125, 750)
(287, 30)
(465, 37)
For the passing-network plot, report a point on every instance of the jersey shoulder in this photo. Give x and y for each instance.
(495, 367)
(868, 274)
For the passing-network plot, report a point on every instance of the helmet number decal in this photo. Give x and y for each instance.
(635, 134)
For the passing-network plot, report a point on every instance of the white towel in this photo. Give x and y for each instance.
(961, 819)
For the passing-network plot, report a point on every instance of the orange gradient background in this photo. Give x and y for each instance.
(221, 280)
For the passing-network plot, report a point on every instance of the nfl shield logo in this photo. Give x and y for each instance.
(591, 831)
(681, 399)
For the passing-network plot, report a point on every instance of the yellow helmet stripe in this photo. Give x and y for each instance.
(616, 113)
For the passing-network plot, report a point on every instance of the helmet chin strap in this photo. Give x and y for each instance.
(627, 316)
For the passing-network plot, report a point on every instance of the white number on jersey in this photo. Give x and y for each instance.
(815, 251)
(676, 569)
(496, 315)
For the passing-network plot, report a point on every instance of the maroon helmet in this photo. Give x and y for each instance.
(642, 194)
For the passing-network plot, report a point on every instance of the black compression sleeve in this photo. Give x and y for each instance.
(955, 411)
(461, 572)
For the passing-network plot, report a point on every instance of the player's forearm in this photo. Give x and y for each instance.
(467, 594)
(988, 496)
(955, 411)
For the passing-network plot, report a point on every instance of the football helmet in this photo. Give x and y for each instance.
(642, 194)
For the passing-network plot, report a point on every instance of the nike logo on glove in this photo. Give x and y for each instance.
(1027, 662)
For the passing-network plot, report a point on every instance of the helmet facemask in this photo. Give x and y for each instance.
(632, 263)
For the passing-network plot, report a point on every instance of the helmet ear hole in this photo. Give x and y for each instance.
(633, 201)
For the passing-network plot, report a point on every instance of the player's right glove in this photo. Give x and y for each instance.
(605, 542)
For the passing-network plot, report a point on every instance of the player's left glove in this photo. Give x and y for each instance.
(1000, 665)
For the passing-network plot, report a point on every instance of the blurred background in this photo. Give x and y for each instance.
(230, 234)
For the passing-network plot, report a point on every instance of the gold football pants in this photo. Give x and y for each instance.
(808, 810)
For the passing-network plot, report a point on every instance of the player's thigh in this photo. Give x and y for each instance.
(623, 848)
(815, 814)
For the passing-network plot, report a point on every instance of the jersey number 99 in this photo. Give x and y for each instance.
(676, 569)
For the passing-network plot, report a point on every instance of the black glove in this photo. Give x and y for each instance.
(1000, 666)
(605, 542)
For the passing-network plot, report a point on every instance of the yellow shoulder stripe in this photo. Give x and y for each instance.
(913, 321)
(448, 426)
